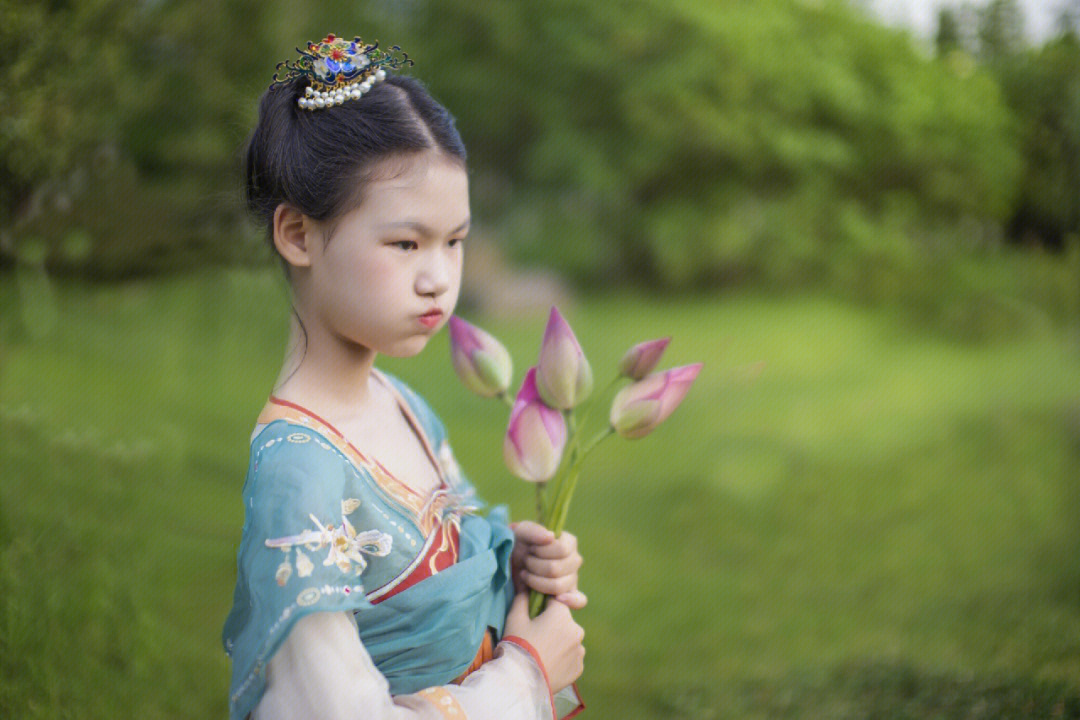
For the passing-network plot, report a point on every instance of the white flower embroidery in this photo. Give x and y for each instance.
(304, 566)
(283, 572)
(346, 545)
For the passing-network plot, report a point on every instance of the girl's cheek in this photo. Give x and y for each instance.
(380, 266)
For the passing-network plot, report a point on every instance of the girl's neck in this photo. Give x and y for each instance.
(324, 373)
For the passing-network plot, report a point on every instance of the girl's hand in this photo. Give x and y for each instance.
(546, 564)
(554, 635)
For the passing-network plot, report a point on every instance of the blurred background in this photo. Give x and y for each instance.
(863, 217)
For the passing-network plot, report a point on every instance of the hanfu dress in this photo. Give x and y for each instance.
(426, 578)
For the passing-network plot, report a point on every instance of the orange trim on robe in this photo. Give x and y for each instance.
(485, 653)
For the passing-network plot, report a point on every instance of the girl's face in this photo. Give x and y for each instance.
(389, 274)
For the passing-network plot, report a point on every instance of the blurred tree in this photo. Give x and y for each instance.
(1068, 17)
(1043, 88)
(119, 130)
(61, 72)
(691, 142)
(947, 37)
(1001, 29)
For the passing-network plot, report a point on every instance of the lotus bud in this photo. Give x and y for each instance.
(637, 409)
(640, 360)
(536, 436)
(563, 375)
(481, 361)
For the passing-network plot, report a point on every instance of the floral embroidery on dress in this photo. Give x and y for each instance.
(346, 546)
(284, 572)
(304, 566)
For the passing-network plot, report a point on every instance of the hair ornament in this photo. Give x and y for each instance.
(338, 70)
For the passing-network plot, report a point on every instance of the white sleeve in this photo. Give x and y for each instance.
(322, 670)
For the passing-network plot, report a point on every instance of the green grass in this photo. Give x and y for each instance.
(879, 522)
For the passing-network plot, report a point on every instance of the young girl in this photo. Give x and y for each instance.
(368, 584)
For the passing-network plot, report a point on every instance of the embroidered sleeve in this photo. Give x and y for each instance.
(299, 554)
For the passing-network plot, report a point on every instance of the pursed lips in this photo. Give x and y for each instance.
(431, 317)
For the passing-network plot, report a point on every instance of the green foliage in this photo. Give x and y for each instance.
(121, 127)
(58, 98)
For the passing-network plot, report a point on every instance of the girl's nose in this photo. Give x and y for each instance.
(434, 276)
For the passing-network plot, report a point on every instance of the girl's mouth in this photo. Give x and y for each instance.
(431, 318)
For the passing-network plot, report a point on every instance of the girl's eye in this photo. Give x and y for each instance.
(456, 241)
(405, 244)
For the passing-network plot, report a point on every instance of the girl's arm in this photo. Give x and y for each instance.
(322, 670)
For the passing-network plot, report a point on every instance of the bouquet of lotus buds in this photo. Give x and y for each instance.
(542, 443)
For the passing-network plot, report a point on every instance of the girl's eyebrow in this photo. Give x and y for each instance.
(421, 227)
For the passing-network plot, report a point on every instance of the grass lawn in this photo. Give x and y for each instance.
(876, 521)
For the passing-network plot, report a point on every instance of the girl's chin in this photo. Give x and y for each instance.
(409, 348)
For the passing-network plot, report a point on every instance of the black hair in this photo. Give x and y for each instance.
(319, 161)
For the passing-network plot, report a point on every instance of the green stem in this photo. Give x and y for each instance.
(597, 439)
(571, 429)
(555, 519)
(537, 601)
(506, 398)
(557, 511)
(540, 488)
(596, 398)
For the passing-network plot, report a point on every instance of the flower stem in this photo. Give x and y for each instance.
(596, 397)
(555, 517)
(596, 440)
(571, 428)
(540, 487)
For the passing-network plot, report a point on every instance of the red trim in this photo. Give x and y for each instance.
(405, 486)
(527, 646)
(441, 558)
(294, 406)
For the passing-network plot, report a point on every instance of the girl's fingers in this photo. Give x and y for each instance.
(550, 586)
(575, 599)
(532, 533)
(562, 546)
(553, 568)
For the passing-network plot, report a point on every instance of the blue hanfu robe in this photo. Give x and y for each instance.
(329, 529)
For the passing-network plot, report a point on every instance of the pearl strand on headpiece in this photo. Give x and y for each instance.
(317, 100)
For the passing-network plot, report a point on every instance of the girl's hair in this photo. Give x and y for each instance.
(319, 161)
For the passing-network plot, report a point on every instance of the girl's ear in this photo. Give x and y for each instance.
(293, 235)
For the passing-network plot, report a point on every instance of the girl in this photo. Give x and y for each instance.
(368, 585)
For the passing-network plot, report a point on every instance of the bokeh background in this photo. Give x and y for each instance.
(867, 506)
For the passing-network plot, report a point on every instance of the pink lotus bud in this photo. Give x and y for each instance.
(639, 408)
(480, 360)
(563, 375)
(642, 358)
(536, 436)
